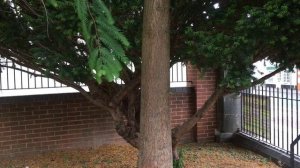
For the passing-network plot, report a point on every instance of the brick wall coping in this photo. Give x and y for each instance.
(187, 90)
(63, 96)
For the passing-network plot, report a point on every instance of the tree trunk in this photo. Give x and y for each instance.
(175, 152)
(155, 143)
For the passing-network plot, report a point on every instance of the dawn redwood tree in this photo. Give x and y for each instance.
(75, 42)
(155, 125)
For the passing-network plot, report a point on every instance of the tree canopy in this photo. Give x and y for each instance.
(84, 42)
(244, 32)
(228, 35)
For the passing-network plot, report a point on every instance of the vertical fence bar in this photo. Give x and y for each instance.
(292, 111)
(266, 113)
(256, 98)
(278, 126)
(282, 133)
(28, 78)
(259, 114)
(177, 72)
(14, 70)
(243, 109)
(297, 117)
(21, 67)
(252, 111)
(34, 79)
(246, 108)
(182, 72)
(7, 78)
(262, 112)
(247, 111)
(172, 75)
(274, 114)
(242, 101)
(41, 81)
(269, 115)
(287, 118)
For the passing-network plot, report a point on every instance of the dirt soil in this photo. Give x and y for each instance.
(210, 155)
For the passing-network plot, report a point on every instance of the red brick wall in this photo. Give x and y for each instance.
(182, 106)
(33, 124)
(42, 123)
(204, 86)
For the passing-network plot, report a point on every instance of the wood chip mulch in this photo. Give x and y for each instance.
(210, 155)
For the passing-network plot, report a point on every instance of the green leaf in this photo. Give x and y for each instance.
(93, 57)
(283, 38)
(53, 3)
(296, 21)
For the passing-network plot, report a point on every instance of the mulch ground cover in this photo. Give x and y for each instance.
(209, 155)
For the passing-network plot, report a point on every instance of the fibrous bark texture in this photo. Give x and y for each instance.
(155, 141)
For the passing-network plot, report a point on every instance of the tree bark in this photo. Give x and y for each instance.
(155, 142)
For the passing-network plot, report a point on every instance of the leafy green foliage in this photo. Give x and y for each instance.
(104, 41)
(228, 39)
(79, 43)
(238, 33)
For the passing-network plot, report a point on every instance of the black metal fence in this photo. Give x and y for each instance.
(270, 115)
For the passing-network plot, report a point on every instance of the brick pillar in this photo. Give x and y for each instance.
(205, 85)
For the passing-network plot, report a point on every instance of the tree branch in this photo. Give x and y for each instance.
(25, 5)
(190, 123)
(126, 73)
(262, 79)
(123, 92)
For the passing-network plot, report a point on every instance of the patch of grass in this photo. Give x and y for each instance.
(180, 162)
